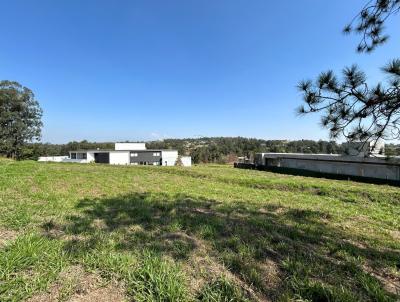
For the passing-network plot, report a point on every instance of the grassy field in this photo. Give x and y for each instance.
(71, 232)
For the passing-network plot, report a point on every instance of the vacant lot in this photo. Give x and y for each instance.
(71, 232)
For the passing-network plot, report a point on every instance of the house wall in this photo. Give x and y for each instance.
(79, 157)
(119, 158)
(53, 158)
(145, 156)
(186, 161)
(169, 157)
(61, 159)
(79, 161)
(90, 157)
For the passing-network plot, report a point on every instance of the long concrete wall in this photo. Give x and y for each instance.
(378, 168)
(345, 168)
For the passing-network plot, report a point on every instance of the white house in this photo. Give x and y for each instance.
(123, 154)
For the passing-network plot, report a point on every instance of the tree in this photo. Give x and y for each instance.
(353, 109)
(20, 118)
(369, 23)
(350, 106)
(178, 162)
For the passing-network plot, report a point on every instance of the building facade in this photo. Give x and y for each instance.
(123, 154)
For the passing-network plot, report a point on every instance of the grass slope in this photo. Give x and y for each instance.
(206, 233)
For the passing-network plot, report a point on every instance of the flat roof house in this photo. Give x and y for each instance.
(126, 154)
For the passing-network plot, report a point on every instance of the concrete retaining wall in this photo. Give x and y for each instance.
(370, 167)
(366, 169)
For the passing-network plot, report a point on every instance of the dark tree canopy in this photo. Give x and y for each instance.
(351, 107)
(369, 23)
(20, 118)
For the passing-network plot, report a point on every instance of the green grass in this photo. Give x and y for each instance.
(206, 233)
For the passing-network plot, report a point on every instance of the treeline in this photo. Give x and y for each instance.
(205, 150)
(227, 149)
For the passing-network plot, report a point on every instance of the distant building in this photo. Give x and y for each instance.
(365, 149)
(124, 154)
(243, 160)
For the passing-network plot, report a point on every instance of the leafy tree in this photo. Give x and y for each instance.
(350, 106)
(20, 118)
(178, 162)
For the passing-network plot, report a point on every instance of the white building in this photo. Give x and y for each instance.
(123, 154)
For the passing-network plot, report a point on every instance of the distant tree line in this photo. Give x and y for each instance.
(204, 150)
(227, 149)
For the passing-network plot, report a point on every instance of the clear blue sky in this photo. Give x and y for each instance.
(140, 70)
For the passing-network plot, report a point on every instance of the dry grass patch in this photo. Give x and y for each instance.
(7, 235)
(76, 285)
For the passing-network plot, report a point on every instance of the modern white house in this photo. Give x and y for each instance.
(124, 154)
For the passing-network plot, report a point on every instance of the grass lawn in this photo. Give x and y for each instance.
(71, 232)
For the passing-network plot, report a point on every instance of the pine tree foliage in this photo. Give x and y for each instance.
(370, 21)
(351, 107)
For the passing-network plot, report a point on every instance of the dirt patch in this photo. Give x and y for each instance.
(76, 285)
(182, 237)
(202, 267)
(395, 235)
(99, 224)
(271, 273)
(389, 282)
(52, 230)
(7, 236)
(55, 230)
(101, 294)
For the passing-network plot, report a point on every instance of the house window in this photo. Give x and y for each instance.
(156, 154)
(81, 156)
(73, 155)
(134, 154)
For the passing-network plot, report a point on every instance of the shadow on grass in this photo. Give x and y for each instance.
(274, 250)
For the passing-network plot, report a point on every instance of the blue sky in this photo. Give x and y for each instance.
(142, 70)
